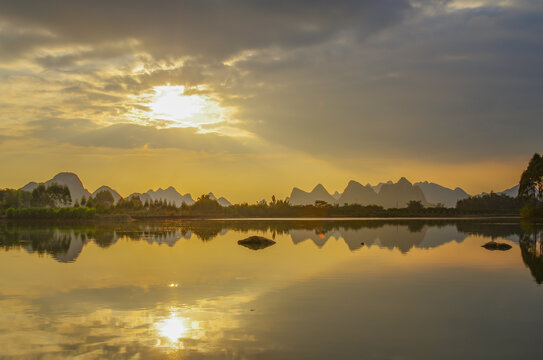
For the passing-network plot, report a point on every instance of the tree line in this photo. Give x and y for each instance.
(52, 201)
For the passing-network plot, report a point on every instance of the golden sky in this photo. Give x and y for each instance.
(248, 99)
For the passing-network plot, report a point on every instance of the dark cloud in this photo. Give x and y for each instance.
(208, 27)
(82, 132)
(430, 83)
(456, 86)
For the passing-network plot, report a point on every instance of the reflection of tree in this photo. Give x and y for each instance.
(57, 242)
(489, 228)
(103, 237)
(64, 241)
(531, 246)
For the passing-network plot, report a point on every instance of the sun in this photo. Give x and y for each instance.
(171, 104)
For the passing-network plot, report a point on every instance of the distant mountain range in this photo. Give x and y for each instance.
(78, 191)
(387, 194)
(513, 192)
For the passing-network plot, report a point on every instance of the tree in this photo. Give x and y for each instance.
(103, 199)
(531, 181)
(11, 198)
(59, 194)
(321, 203)
(415, 205)
(205, 204)
(53, 195)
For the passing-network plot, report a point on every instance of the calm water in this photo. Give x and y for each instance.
(325, 290)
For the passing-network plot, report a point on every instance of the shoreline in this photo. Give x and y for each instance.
(123, 218)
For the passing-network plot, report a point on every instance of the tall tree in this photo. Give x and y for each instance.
(53, 195)
(531, 181)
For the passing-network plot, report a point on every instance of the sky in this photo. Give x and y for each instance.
(250, 98)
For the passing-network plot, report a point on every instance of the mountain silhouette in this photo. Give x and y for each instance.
(399, 194)
(170, 195)
(390, 195)
(319, 193)
(222, 201)
(356, 193)
(436, 194)
(71, 180)
(512, 192)
(115, 194)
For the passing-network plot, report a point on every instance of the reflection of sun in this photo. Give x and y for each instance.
(172, 104)
(173, 327)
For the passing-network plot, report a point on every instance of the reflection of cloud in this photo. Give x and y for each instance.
(173, 328)
(154, 329)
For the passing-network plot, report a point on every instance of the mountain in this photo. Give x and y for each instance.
(399, 194)
(336, 195)
(170, 195)
(356, 193)
(143, 197)
(513, 192)
(222, 201)
(30, 186)
(389, 195)
(435, 194)
(115, 194)
(77, 191)
(300, 197)
(377, 187)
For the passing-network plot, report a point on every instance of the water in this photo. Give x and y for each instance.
(326, 290)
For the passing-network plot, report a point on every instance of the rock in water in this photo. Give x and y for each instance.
(492, 245)
(256, 242)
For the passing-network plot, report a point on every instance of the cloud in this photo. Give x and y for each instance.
(434, 80)
(4, 138)
(212, 28)
(451, 87)
(82, 132)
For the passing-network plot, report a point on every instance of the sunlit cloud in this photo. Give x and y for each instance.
(172, 104)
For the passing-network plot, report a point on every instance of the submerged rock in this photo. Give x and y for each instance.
(492, 245)
(256, 242)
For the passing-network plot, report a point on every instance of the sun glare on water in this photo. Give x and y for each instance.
(173, 328)
(171, 104)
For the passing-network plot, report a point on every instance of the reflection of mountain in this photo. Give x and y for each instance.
(388, 236)
(319, 238)
(65, 244)
(439, 235)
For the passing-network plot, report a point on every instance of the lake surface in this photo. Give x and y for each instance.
(370, 289)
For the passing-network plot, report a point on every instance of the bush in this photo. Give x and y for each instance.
(49, 213)
(529, 212)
